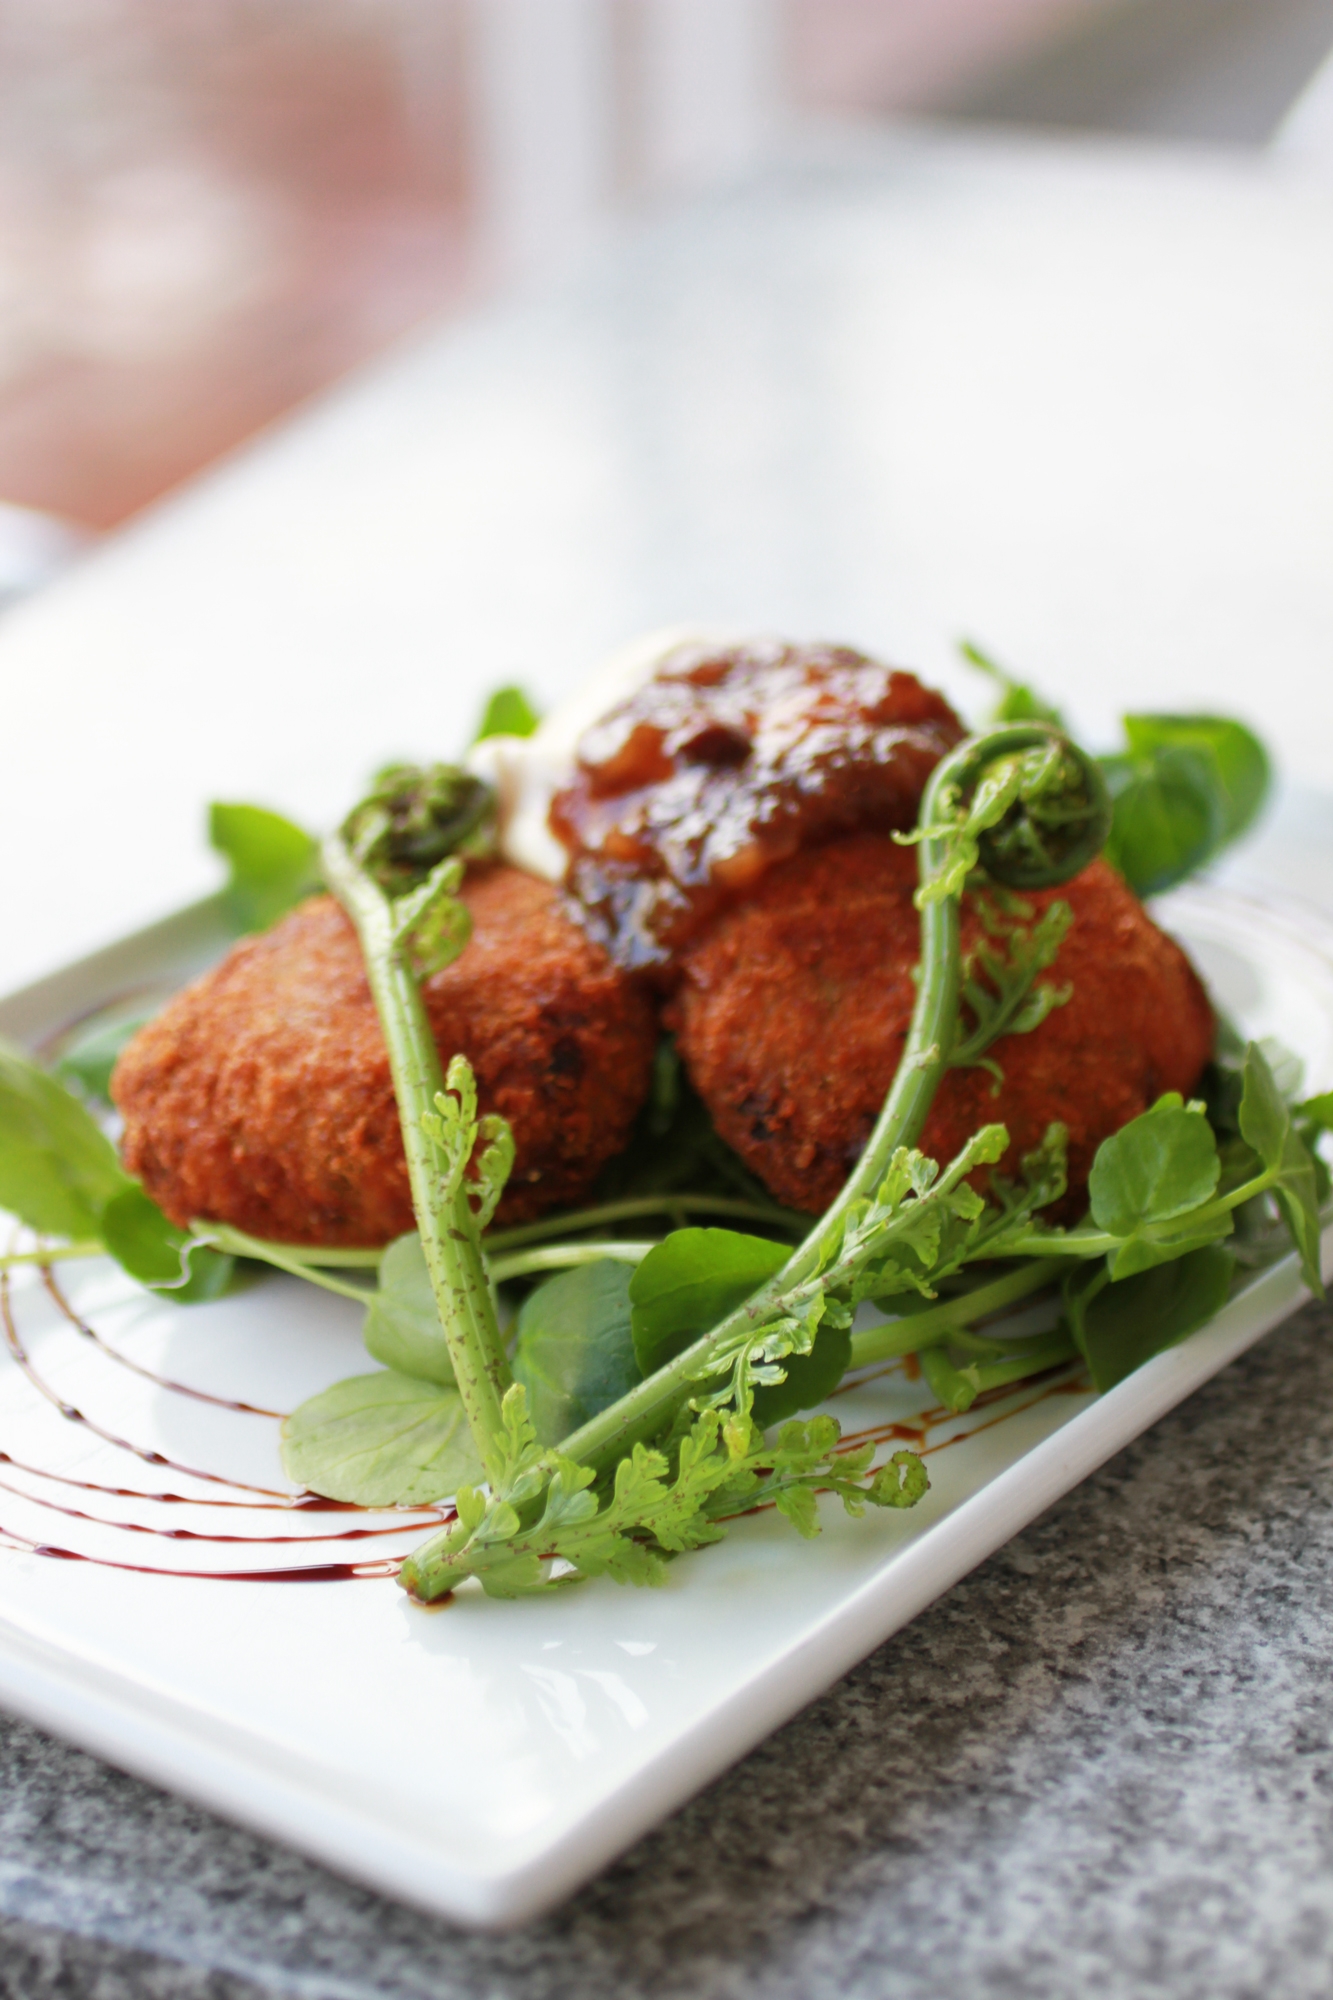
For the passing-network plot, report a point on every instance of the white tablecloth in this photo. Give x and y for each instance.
(1073, 398)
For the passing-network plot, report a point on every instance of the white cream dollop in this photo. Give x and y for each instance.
(527, 771)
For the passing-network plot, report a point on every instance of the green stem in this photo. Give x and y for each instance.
(630, 1209)
(299, 1255)
(1056, 1348)
(937, 1323)
(563, 1256)
(221, 1236)
(650, 1406)
(448, 1230)
(58, 1255)
(1099, 1242)
(958, 1388)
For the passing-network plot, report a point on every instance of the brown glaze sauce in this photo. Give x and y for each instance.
(147, 1374)
(265, 1499)
(726, 762)
(339, 1572)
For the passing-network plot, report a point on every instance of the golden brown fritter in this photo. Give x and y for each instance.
(794, 1006)
(261, 1095)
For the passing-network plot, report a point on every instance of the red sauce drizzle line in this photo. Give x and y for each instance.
(933, 1419)
(76, 1416)
(299, 1503)
(123, 1360)
(336, 1572)
(340, 1572)
(194, 1535)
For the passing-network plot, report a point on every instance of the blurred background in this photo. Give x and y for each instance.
(210, 211)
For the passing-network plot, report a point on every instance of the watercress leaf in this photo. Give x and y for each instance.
(690, 1281)
(1168, 816)
(1266, 1125)
(403, 1328)
(575, 1354)
(1240, 767)
(1297, 1193)
(274, 862)
(1264, 1118)
(1318, 1110)
(58, 1169)
(1121, 1326)
(1184, 786)
(507, 713)
(1161, 1165)
(385, 1440)
(87, 1059)
(160, 1255)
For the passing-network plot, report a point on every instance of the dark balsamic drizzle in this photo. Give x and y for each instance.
(341, 1572)
(198, 1535)
(73, 1415)
(123, 1360)
(296, 1503)
(266, 1499)
(1055, 1381)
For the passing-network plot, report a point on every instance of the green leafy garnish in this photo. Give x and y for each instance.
(1118, 1327)
(402, 1327)
(58, 1169)
(1001, 987)
(1266, 1124)
(691, 1280)
(87, 1059)
(694, 1278)
(1155, 1170)
(660, 1503)
(385, 1440)
(59, 1174)
(274, 863)
(574, 1353)
(507, 713)
(157, 1253)
(1182, 789)
(414, 818)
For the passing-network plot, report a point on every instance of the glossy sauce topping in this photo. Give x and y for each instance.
(726, 762)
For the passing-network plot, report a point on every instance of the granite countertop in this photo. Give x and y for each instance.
(1102, 1765)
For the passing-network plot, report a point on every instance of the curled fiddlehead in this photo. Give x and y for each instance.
(1022, 802)
(415, 816)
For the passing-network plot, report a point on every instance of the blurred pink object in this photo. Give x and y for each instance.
(909, 55)
(207, 212)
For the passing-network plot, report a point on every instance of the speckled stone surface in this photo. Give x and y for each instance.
(1101, 1766)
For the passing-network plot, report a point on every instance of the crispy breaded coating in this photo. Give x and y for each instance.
(261, 1095)
(794, 1007)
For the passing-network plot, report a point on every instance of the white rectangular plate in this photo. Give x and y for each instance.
(483, 1759)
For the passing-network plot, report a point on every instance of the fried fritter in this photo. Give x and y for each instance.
(794, 1007)
(261, 1095)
